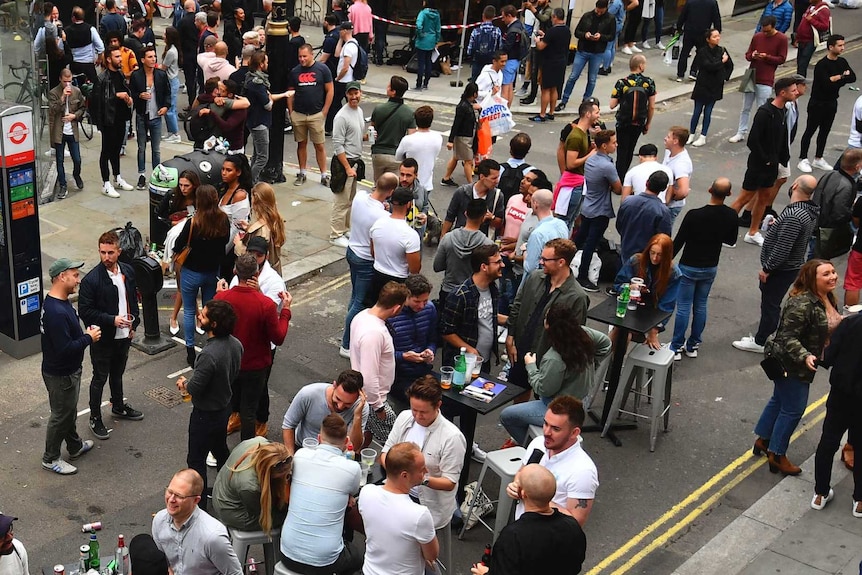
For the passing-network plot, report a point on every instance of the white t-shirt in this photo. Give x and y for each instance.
(17, 562)
(681, 167)
(351, 49)
(424, 147)
(123, 307)
(364, 211)
(395, 527)
(574, 470)
(393, 240)
(637, 177)
(855, 139)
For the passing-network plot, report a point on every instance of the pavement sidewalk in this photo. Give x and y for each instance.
(781, 533)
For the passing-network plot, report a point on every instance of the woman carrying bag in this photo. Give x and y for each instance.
(176, 207)
(715, 68)
(462, 136)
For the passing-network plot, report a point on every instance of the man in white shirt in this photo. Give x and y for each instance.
(347, 51)
(677, 159)
(394, 244)
(441, 442)
(636, 178)
(364, 211)
(322, 484)
(560, 451)
(490, 80)
(13, 556)
(423, 145)
(400, 538)
(373, 355)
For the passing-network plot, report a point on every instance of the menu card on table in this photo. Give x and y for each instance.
(482, 389)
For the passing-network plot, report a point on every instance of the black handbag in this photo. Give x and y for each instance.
(773, 368)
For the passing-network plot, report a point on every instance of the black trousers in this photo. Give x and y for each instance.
(251, 384)
(377, 283)
(362, 39)
(689, 41)
(86, 68)
(190, 69)
(207, 432)
(113, 139)
(843, 413)
(772, 291)
(337, 100)
(535, 64)
(821, 114)
(109, 357)
(633, 19)
(627, 140)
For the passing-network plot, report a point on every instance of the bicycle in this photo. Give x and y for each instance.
(83, 83)
(26, 92)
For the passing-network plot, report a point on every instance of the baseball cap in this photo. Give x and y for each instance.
(401, 197)
(6, 524)
(648, 150)
(62, 265)
(257, 244)
(346, 25)
(353, 86)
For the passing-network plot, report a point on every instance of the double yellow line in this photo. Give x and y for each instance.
(735, 474)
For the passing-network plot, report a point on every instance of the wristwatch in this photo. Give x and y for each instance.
(426, 481)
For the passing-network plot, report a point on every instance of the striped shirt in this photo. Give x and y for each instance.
(786, 243)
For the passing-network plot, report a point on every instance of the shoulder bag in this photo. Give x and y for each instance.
(181, 257)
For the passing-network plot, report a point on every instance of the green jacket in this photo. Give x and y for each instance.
(550, 378)
(803, 331)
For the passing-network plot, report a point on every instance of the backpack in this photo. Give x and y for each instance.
(510, 181)
(634, 107)
(522, 41)
(360, 68)
(199, 127)
(486, 43)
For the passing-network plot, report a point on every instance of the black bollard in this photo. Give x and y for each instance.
(148, 276)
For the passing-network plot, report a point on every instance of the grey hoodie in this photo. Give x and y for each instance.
(453, 256)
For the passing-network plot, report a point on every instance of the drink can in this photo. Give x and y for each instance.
(96, 525)
(59, 570)
(372, 135)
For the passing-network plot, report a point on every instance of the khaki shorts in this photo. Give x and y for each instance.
(464, 148)
(305, 125)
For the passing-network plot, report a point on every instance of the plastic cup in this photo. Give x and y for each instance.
(446, 373)
(369, 456)
(621, 306)
(477, 367)
(310, 443)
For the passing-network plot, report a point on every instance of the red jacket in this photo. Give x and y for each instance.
(819, 14)
(257, 324)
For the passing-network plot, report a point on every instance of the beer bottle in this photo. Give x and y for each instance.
(94, 551)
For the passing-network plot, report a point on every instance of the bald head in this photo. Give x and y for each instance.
(220, 49)
(721, 187)
(537, 484)
(802, 188)
(386, 183)
(193, 478)
(210, 42)
(543, 200)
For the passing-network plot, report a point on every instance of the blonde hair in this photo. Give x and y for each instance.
(266, 209)
(263, 458)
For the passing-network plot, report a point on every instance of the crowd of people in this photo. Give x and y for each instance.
(517, 251)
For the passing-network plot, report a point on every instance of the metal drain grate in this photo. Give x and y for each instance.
(163, 395)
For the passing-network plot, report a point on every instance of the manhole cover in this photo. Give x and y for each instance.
(165, 396)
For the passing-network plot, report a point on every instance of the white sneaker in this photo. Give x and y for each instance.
(661, 45)
(736, 138)
(341, 242)
(818, 502)
(108, 190)
(211, 460)
(635, 49)
(173, 139)
(747, 343)
(122, 184)
(343, 352)
(804, 166)
(691, 138)
(479, 454)
(645, 45)
(700, 141)
(821, 164)
(756, 238)
(60, 467)
(627, 50)
(692, 354)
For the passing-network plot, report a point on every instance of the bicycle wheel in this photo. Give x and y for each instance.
(17, 92)
(87, 125)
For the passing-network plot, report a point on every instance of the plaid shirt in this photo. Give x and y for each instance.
(461, 317)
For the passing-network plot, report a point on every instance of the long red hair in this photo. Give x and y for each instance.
(662, 276)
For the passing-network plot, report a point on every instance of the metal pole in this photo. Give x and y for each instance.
(463, 37)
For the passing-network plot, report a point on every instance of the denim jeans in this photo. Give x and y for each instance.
(171, 119)
(190, 282)
(574, 209)
(361, 276)
(423, 59)
(611, 51)
(588, 236)
(674, 213)
(759, 96)
(154, 127)
(63, 393)
(593, 61)
(694, 286)
(782, 413)
(657, 20)
(518, 418)
(260, 157)
(701, 107)
(772, 292)
(805, 50)
(75, 151)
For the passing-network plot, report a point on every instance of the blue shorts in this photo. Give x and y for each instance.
(510, 72)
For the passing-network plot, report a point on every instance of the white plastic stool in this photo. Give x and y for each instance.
(653, 371)
(505, 463)
(282, 569)
(533, 432)
(242, 540)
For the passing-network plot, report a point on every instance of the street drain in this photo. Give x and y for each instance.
(163, 395)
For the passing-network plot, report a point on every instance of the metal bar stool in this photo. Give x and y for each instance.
(505, 463)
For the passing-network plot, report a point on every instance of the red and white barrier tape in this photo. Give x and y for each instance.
(446, 27)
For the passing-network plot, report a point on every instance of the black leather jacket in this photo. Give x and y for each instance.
(99, 299)
(105, 108)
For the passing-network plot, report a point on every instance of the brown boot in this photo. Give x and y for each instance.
(260, 429)
(233, 423)
(781, 463)
(761, 446)
(847, 456)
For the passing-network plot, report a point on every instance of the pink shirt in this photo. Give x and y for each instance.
(360, 14)
(516, 213)
(372, 354)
